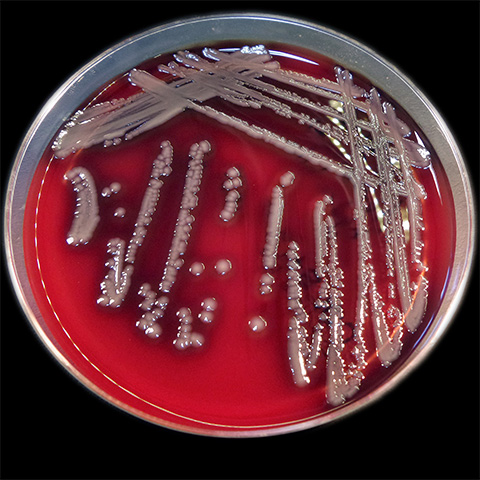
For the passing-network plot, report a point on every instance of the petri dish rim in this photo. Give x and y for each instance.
(258, 28)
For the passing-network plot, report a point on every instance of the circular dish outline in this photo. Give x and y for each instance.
(260, 28)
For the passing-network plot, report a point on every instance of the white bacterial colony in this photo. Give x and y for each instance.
(155, 308)
(161, 168)
(185, 218)
(287, 179)
(231, 185)
(117, 281)
(302, 354)
(274, 227)
(342, 382)
(185, 336)
(266, 282)
(274, 224)
(120, 212)
(197, 268)
(115, 285)
(223, 266)
(257, 324)
(86, 215)
(209, 305)
(112, 189)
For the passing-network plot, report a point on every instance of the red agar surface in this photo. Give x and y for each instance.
(239, 379)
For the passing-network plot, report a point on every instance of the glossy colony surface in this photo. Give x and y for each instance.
(238, 237)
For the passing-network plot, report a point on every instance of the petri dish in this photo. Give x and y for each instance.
(231, 235)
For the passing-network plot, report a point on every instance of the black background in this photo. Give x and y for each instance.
(52, 427)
